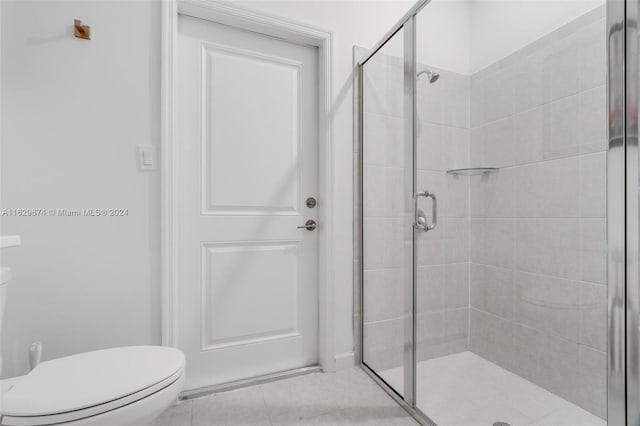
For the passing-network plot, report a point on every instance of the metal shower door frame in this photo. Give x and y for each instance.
(408, 24)
(623, 210)
(623, 213)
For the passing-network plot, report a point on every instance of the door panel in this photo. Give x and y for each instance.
(386, 239)
(235, 94)
(248, 161)
(229, 318)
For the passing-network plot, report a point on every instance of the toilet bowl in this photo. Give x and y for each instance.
(123, 386)
(111, 387)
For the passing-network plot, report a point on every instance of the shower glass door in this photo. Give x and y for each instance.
(387, 237)
(493, 270)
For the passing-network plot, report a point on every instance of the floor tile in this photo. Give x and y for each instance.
(289, 401)
(176, 415)
(245, 407)
(344, 398)
(457, 390)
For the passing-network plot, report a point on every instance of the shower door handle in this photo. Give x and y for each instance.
(420, 222)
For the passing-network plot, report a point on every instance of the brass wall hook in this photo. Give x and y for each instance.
(81, 31)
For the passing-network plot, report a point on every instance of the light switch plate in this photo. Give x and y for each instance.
(146, 157)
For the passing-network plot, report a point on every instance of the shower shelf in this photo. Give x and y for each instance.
(472, 171)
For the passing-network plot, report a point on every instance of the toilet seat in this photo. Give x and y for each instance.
(89, 384)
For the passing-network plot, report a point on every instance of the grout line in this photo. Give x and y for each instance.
(546, 103)
(502, 268)
(544, 332)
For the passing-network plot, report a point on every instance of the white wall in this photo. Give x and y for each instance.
(73, 112)
(443, 34)
(501, 27)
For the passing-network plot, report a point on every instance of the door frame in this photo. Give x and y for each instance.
(288, 30)
(623, 209)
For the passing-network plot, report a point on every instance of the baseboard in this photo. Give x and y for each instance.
(345, 361)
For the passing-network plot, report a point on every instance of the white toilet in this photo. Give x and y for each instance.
(122, 386)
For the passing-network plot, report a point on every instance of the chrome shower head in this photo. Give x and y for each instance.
(431, 75)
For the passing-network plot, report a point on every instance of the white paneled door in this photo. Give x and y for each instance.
(247, 138)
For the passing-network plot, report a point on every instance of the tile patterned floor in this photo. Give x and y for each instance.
(335, 399)
(458, 390)
(467, 390)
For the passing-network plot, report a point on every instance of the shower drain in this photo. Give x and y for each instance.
(501, 424)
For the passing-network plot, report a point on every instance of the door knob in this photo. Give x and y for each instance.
(309, 225)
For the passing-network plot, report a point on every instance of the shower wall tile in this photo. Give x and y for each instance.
(491, 337)
(531, 84)
(565, 129)
(430, 335)
(456, 285)
(494, 194)
(383, 90)
(594, 316)
(563, 69)
(548, 360)
(476, 101)
(492, 144)
(498, 95)
(430, 108)
(383, 241)
(538, 237)
(593, 64)
(455, 143)
(382, 299)
(548, 304)
(430, 287)
(549, 246)
(455, 99)
(378, 196)
(493, 290)
(384, 344)
(593, 250)
(430, 152)
(378, 131)
(532, 134)
(429, 250)
(549, 189)
(593, 120)
(456, 248)
(593, 384)
(442, 148)
(493, 242)
(593, 185)
(441, 333)
(456, 330)
(526, 352)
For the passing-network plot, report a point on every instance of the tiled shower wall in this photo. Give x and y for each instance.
(443, 258)
(538, 225)
(443, 253)
(516, 270)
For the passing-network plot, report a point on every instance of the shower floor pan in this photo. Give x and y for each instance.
(464, 389)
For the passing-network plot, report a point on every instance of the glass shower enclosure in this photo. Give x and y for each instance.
(496, 251)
